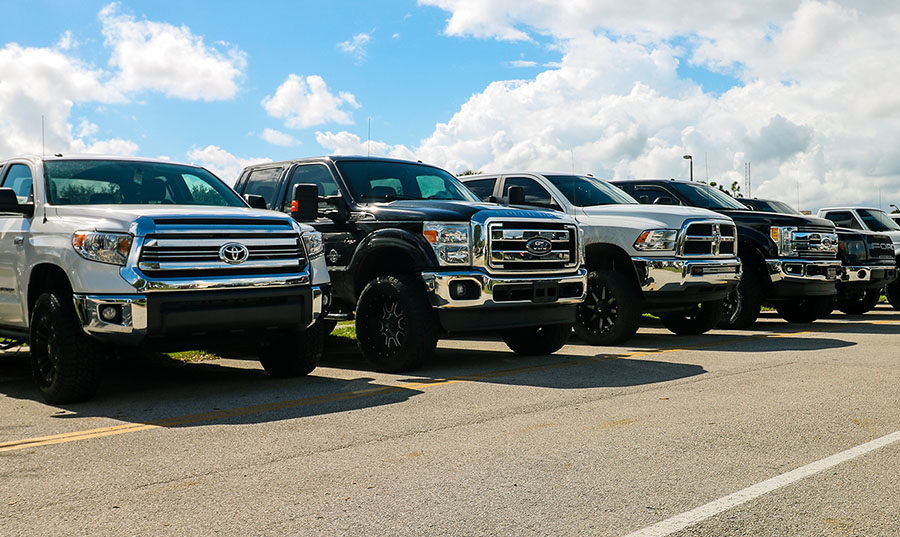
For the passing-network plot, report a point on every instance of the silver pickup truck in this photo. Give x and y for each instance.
(98, 254)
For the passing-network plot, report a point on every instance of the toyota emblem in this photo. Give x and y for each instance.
(539, 246)
(233, 253)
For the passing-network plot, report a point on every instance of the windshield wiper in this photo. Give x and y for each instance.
(388, 197)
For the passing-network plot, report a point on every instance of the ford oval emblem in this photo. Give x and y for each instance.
(233, 253)
(539, 246)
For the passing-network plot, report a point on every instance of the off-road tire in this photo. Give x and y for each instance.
(860, 304)
(65, 363)
(892, 292)
(611, 313)
(742, 305)
(292, 354)
(805, 310)
(703, 317)
(537, 340)
(395, 326)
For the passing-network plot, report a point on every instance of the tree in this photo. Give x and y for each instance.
(467, 171)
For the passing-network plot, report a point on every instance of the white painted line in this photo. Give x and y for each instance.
(689, 518)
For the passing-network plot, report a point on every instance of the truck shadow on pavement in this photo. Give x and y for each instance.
(735, 341)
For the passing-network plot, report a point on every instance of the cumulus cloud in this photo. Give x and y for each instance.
(346, 143)
(817, 100)
(222, 163)
(306, 102)
(356, 47)
(276, 137)
(171, 59)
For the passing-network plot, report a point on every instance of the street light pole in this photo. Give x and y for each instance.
(690, 159)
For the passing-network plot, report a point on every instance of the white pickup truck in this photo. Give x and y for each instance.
(98, 254)
(677, 262)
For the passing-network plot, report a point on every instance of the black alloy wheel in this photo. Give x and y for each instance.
(611, 311)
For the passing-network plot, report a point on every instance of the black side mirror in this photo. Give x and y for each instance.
(516, 195)
(255, 201)
(305, 202)
(340, 211)
(9, 203)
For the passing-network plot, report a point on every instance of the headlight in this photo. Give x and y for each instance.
(103, 247)
(854, 248)
(450, 242)
(657, 240)
(784, 239)
(315, 246)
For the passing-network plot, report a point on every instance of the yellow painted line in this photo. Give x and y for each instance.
(216, 415)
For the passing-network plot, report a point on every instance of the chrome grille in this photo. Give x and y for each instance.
(815, 244)
(707, 238)
(513, 246)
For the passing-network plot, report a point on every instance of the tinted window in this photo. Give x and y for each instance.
(535, 194)
(19, 179)
(707, 197)
(654, 195)
(264, 182)
(483, 188)
(584, 191)
(877, 220)
(102, 182)
(316, 174)
(374, 180)
(843, 219)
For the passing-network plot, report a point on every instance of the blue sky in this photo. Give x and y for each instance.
(627, 88)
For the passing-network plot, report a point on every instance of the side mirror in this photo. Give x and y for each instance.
(9, 203)
(255, 201)
(516, 195)
(305, 202)
(340, 212)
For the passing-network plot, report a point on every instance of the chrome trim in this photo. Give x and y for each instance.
(317, 294)
(209, 243)
(519, 234)
(777, 271)
(715, 240)
(215, 265)
(437, 284)
(863, 273)
(517, 255)
(484, 233)
(667, 274)
(134, 313)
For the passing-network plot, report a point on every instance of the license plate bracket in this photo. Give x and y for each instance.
(544, 292)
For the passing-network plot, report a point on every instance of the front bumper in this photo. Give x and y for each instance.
(474, 300)
(803, 270)
(662, 275)
(197, 315)
(869, 274)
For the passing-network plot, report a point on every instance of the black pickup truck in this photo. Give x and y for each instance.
(414, 255)
(867, 258)
(789, 261)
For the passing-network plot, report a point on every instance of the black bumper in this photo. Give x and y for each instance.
(493, 319)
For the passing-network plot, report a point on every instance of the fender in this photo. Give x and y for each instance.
(415, 246)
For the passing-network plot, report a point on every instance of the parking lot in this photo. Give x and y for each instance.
(651, 438)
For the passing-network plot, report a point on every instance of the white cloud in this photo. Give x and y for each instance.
(222, 163)
(171, 59)
(276, 137)
(522, 63)
(356, 47)
(395, 36)
(306, 102)
(818, 99)
(86, 128)
(345, 143)
(66, 41)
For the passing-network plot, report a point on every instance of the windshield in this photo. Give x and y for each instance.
(374, 180)
(130, 182)
(877, 220)
(587, 191)
(770, 206)
(707, 197)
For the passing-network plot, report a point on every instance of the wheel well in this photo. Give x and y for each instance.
(751, 258)
(609, 257)
(382, 262)
(45, 278)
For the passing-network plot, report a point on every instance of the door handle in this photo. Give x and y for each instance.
(19, 241)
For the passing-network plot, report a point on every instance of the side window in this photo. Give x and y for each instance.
(316, 174)
(535, 194)
(483, 188)
(843, 219)
(264, 182)
(432, 188)
(18, 178)
(654, 195)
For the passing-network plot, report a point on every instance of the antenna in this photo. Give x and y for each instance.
(369, 139)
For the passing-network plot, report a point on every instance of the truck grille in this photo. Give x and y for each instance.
(815, 243)
(532, 245)
(880, 247)
(221, 247)
(706, 238)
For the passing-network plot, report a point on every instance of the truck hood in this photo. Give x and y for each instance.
(777, 219)
(121, 217)
(451, 211)
(643, 216)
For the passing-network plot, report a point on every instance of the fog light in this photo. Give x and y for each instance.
(109, 313)
(326, 299)
(861, 274)
(464, 290)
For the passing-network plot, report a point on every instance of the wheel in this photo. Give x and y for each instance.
(611, 311)
(805, 310)
(395, 326)
(892, 291)
(858, 305)
(292, 354)
(699, 319)
(741, 306)
(537, 340)
(66, 364)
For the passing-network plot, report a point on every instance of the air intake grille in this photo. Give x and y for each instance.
(708, 239)
(532, 245)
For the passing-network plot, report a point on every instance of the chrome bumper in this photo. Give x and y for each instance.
(803, 270)
(675, 274)
(866, 273)
(438, 286)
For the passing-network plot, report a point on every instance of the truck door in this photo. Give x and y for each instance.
(14, 235)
